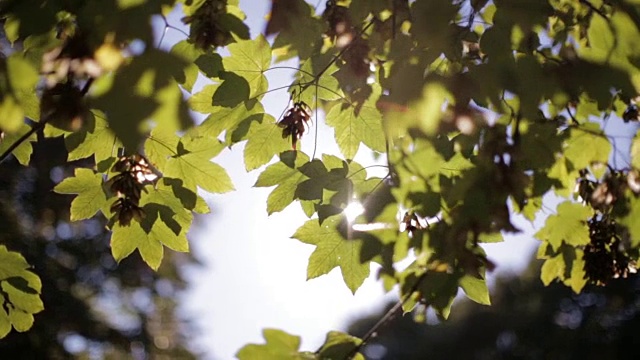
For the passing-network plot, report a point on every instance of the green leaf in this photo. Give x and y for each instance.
(193, 166)
(354, 126)
(142, 91)
(165, 222)
(250, 59)
(24, 150)
(126, 239)
(279, 346)
(202, 101)
(333, 250)
(11, 114)
(98, 140)
(20, 295)
(209, 64)
(286, 176)
(222, 118)
(568, 226)
(630, 219)
(264, 141)
(587, 144)
(553, 268)
(160, 146)
(88, 185)
(339, 345)
(566, 265)
(476, 289)
(326, 87)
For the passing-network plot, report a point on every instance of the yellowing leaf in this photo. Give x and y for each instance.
(635, 151)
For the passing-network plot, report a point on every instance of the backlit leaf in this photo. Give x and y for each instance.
(352, 127)
(91, 195)
(20, 293)
(279, 346)
(250, 59)
(568, 226)
(333, 250)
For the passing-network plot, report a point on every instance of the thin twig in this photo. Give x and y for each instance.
(335, 58)
(388, 316)
(37, 126)
(594, 9)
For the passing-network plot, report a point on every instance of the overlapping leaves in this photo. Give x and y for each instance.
(19, 293)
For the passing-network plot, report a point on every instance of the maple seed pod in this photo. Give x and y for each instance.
(133, 173)
(127, 210)
(206, 25)
(294, 121)
(605, 257)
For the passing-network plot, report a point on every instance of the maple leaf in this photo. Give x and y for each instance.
(332, 250)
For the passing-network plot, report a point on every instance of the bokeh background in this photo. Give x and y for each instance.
(245, 274)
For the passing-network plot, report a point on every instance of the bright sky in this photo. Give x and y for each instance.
(254, 274)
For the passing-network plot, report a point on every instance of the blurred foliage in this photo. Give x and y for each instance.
(480, 109)
(527, 320)
(93, 306)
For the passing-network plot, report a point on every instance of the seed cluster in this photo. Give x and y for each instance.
(606, 256)
(133, 173)
(294, 121)
(206, 25)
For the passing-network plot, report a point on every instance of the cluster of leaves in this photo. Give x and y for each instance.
(481, 109)
(19, 293)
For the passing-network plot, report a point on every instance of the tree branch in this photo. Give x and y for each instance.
(38, 126)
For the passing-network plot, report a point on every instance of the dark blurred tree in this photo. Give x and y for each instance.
(94, 307)
(527, 320)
